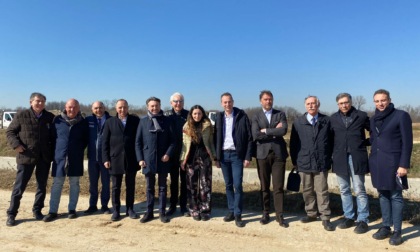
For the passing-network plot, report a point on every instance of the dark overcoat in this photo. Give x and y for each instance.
(94, 152)
(311, 146)
(391, 148)
(350, 140)
(71, 142)
(151, 146)
(118, 145)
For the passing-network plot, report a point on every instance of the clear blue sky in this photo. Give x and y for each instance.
(99, 49)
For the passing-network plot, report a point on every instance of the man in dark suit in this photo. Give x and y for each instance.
(96, 167)
(391, 136)
(154, 147)
(350, 161)
(310, 149)
(119, 156)
(178, 115)
(268, 128)
(233, 143)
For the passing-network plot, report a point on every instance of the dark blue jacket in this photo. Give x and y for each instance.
(71, 142)
(242, 135)
(311, 146)
(391, 148)
(350, 140)
(152, 146)
(118, 145)
(94, 152)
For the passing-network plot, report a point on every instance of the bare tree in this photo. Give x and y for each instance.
(358, 101)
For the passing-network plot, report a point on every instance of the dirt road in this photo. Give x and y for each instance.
(98, 233)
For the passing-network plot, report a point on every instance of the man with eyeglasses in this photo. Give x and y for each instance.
(178, 116)
(350, 161)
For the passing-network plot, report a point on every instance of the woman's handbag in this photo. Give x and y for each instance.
(293, 181)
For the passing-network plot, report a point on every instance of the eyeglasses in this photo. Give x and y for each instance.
(177, 101)
(343, 103)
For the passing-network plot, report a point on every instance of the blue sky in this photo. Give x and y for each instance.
(105, 50)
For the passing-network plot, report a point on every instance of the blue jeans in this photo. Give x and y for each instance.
(56, 189)
(392, 205)
(97, 170)
(358, 182)
(233, 170)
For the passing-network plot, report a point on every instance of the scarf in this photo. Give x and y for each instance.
(155, 119)
(380, 116)
(73, 121)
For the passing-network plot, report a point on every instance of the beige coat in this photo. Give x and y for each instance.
(207, 140)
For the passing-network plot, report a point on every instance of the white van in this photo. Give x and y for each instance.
(7, 118)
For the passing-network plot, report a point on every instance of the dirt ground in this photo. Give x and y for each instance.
(98, 233)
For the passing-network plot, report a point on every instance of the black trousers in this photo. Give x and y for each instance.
(130, 185)
(23, 175)
(178, 174)
(275, 168)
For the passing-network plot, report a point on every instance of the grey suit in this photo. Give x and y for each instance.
(271, 157)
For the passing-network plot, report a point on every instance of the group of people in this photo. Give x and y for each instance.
(184, 145)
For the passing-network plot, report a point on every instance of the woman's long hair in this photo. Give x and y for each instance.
(195, 128)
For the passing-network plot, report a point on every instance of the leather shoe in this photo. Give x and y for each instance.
(238, 221)
(10, 220)
(133, 215)
(147, 217)
(265, 219)
(72, 214)
(382, 233)
(91, 210)
(38, 215)
(308, 219)
(105, 210)
(282, 222)
(205, 216)
(327, 225)
(346, 223)
(115, 216)
(50, 217)
(163, 218)
(396, 239)
(229, 217)
(197, 217)
(185, 212)
(171, 210)
(361, 227)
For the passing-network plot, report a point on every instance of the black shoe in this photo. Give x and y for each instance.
(382, 233)
(10, 220)
(50, 217)
(361, 227)
(396, 239)
(265, 219)
(163, 218)
(197, 217)
(229, 217)
(328, 225)
(346, 223)
(171, 210)
(130, 213)
(38, 215)
(308, 219)
(116, 216)
(185, 212)
(282, 222)
(105, 210)
(205, 216)
(91, 210)
(147, 217)
(72, 214)
(238, 221)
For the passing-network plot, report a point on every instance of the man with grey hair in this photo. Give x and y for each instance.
(310, 150)
(71, 131)
(178, 116)
(350, 161)
(30, 135)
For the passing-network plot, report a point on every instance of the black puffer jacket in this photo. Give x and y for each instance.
(34, 134)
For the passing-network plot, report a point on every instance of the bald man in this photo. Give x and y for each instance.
(71, 131)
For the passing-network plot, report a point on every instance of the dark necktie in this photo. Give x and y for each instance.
(313, 121)
(99, 124)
